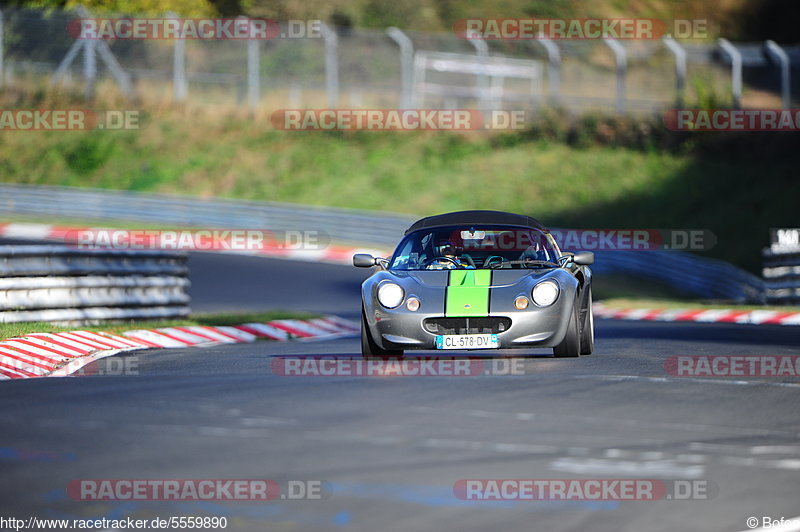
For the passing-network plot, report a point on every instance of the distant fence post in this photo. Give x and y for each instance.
(331, 41)
(553, 68)
(89, 67)
(622, 67)
(406, 65)
(772, 48)
(89, 58)
(736, 71)
(482, 50)
(253, 73)
(418, 96)
(180, 88)
(680, 68)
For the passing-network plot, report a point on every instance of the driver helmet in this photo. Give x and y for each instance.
(447, 247)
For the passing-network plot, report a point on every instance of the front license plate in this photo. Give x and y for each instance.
(467, 341)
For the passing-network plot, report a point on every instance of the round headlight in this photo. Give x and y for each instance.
(545, 293)
(390, 295)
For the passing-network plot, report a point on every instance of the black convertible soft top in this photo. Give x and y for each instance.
(476, 218)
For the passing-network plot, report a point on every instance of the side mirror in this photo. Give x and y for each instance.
(363, 260)
(583, 258)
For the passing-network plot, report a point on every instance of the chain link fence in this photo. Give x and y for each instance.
(362, 68)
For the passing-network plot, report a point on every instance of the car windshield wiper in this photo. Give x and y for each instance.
(526, 262)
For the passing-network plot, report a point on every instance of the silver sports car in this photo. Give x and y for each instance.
(477, 280)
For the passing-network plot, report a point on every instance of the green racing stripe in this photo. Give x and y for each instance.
(468, 293)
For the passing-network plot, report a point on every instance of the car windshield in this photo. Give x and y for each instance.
(475, 247)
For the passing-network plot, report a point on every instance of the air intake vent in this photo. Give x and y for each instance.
(490, 325)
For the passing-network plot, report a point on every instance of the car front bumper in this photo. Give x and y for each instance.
(533, 327)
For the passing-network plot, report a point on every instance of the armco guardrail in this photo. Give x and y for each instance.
(782, 267)
(339, 225)
(685, 272)
(61, 283)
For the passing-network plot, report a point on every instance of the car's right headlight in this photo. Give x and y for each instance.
(390, 295)
(545, 293)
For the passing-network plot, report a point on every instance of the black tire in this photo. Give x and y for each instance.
(369, 349)
(570, 346)
(587, 327)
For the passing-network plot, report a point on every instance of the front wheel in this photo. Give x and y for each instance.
(369, 349)
(570, 346)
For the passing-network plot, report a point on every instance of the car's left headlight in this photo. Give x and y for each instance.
(390, 295)
(545, 293)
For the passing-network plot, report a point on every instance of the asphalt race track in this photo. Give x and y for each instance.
(240, 282)
(390, 449)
